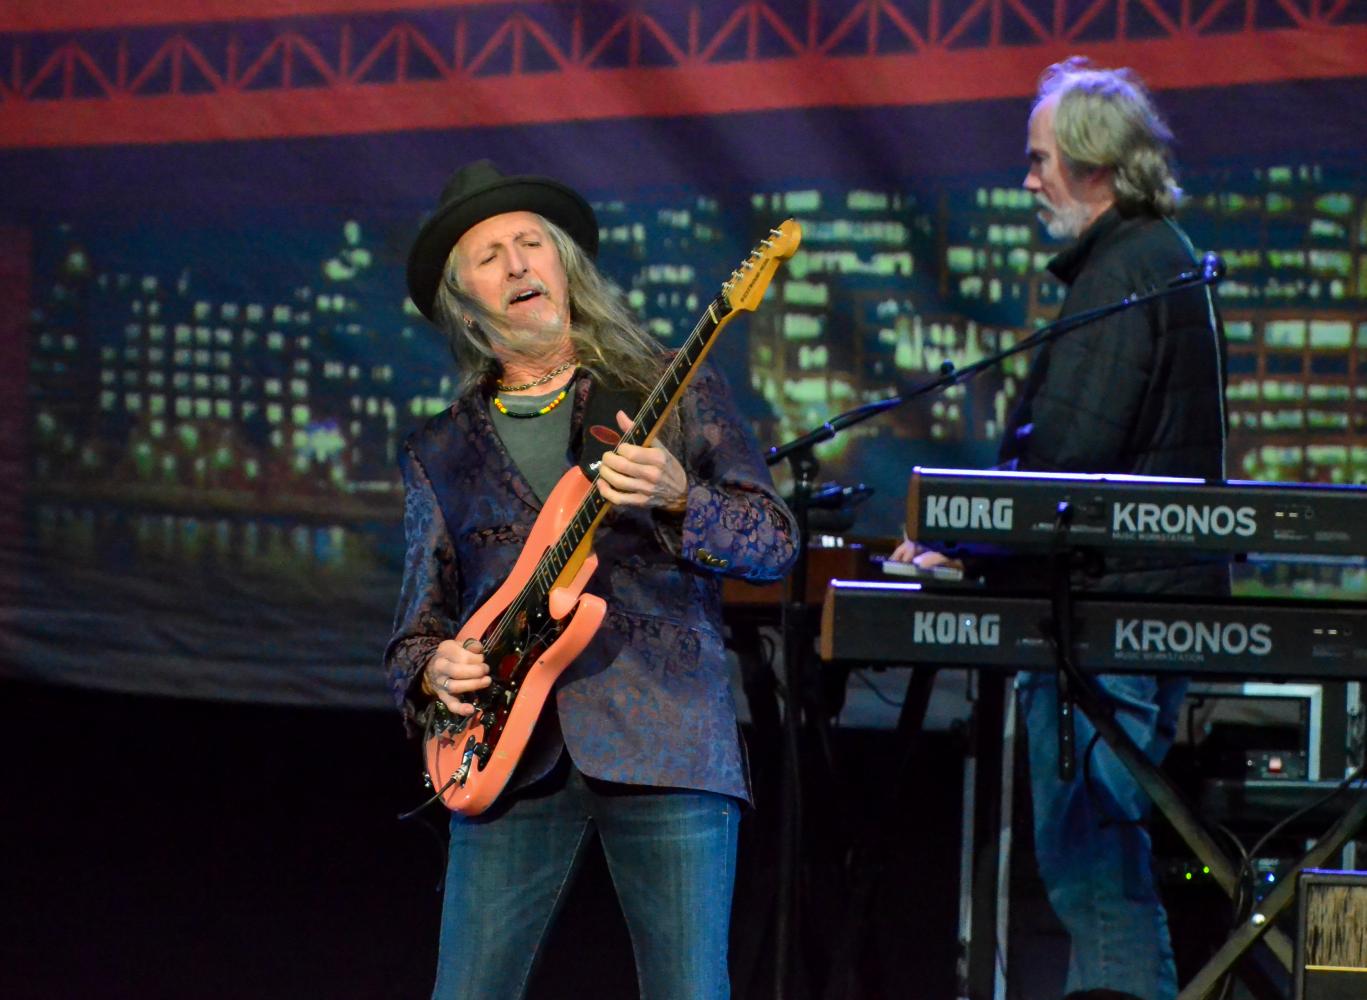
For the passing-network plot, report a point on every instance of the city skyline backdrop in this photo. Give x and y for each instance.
(209, 361)
(149, 373)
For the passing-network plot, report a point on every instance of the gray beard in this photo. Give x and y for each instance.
(1063, 223)
(528, 342)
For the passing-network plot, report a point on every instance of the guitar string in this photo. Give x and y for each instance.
(697, 338)
(542, 572)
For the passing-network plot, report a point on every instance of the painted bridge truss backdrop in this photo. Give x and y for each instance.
(207, 362)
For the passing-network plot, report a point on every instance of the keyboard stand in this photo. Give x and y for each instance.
(1166, 798)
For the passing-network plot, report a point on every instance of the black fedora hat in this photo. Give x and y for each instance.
(475, 192)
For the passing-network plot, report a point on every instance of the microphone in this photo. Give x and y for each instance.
(1211, 270)
(1212, 267)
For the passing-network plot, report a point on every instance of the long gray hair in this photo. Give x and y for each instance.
(607, 339)
(1106, 118)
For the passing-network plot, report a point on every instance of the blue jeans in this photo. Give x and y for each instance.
(672, 857)
(1091, 842)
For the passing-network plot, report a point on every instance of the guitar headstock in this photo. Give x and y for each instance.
(746, 287)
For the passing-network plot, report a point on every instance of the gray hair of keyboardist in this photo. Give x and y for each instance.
(1105, 118)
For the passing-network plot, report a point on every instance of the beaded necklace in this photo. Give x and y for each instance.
(560, 398)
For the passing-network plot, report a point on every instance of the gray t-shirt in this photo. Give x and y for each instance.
(539, 446)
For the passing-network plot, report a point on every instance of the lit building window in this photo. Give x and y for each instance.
(1330, 334)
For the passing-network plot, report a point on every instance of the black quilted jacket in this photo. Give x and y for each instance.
(1140, 392)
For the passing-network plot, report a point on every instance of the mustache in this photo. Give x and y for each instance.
(532, 285)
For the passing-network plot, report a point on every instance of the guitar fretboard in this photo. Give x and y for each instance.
(653, 411)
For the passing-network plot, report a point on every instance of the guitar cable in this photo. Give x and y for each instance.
(439, 842)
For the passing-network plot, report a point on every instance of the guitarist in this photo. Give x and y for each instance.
(638, 742)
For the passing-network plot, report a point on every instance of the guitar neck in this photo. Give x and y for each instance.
(649, 419)
(676, 376)
(741, 293)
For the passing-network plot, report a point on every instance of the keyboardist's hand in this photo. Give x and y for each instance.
(923, 557)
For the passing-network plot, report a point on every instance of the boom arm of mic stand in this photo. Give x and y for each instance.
(950, 375)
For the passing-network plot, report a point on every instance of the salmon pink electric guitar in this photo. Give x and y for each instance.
(540, 619)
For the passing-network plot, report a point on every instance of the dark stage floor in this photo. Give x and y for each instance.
(160, 848)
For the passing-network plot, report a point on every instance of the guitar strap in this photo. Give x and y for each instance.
(601, 433)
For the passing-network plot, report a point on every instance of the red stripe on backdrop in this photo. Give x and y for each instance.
(16, 263)
(74, 15)
(579, 93)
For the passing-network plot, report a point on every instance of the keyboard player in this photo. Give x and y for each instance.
(1140, 392)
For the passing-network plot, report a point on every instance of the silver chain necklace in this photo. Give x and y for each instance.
(540, 381)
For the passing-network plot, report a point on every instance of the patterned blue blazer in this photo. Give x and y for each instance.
(649, 701)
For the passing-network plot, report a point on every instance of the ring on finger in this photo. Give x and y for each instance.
(446, 684)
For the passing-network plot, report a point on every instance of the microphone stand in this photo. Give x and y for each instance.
(801, 457)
